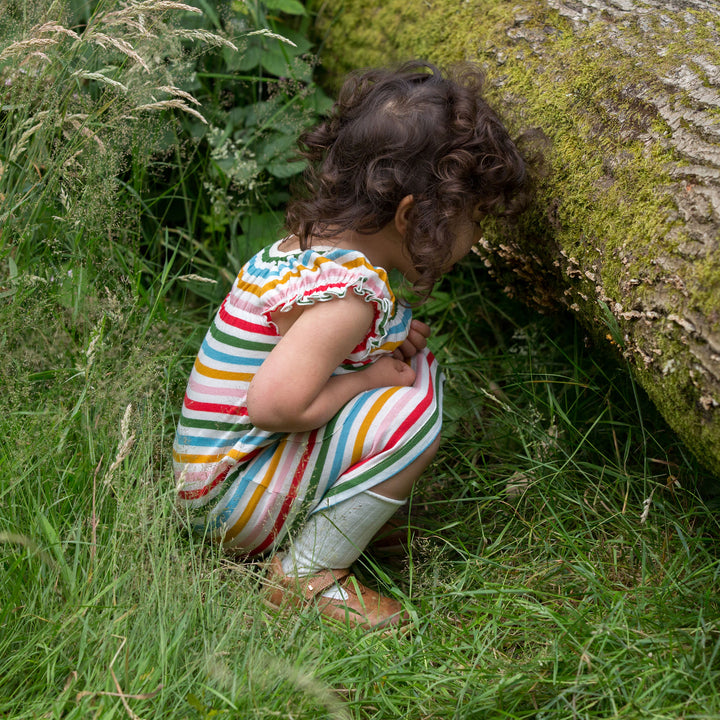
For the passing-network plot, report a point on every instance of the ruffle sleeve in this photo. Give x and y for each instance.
(318, 277)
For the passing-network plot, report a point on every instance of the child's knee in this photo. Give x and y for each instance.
(428, 455)
(433, 448)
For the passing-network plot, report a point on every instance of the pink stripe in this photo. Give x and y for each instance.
(200, 492)
(391, 417)
(279, 476)
(225, 391)
(220, 477)
(414, 416)
(290, 499)
(199, 476)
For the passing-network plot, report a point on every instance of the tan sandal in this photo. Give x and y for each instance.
(362, 608)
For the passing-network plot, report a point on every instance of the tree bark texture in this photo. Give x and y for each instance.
(626, 233)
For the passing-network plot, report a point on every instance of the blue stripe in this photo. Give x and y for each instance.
(227, 358)
(350, 411)
(248, 475)
(229, 440)
(190, 441)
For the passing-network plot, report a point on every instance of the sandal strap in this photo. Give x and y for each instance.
(313, 585)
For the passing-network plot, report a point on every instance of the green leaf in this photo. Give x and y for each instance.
(248, 59)
(276, 58)
(298, 39)
(261, 226)
(285, 168)
(278, 146)
(289, 7)
(61, 563)
(612, 324)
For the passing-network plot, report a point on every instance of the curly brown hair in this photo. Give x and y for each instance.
(409, 131)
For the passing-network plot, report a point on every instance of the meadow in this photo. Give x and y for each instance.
(566, 563)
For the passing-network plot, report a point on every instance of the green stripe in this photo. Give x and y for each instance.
(385, 464)
(213, 425)
(325, 443)
(381, 467)
(239, 342)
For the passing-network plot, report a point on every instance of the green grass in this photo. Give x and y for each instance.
(538, 590)
(568, 557)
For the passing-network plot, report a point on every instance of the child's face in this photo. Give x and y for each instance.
(467, 234)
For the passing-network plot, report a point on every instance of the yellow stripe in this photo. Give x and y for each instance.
(207, 371)
(390, 346)
(255, 499)
(178, 457)
(234, 454)
(365, 426)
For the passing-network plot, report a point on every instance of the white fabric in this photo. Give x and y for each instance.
(334, 538)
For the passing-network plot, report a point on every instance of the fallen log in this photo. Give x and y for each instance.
(626, 232)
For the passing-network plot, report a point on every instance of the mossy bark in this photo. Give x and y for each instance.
(626, 232)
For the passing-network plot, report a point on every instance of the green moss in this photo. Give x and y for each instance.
(610, 183)
(575, 93)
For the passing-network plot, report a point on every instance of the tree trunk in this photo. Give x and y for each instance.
(627, 230)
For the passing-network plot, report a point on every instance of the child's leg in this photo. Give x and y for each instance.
(335, 538)
(400, 486)
(360, 478)
(331, 540)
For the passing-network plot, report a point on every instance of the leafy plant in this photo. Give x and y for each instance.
(566, 563)
(223, 196)
(168, 127)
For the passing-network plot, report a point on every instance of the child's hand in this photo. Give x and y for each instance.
(388, 371)
(415, 341)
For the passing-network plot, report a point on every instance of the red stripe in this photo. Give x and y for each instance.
(205, 489)
(215, 408)
(285, 509)
(418, 411)
(322, 288)
(237, 322)
(409, 421)
(220, 477)
(363, 343)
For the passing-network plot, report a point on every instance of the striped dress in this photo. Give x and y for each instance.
(247, 487)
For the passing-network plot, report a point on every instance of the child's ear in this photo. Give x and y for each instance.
(402, 213)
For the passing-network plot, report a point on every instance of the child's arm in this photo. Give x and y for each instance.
(293, 390)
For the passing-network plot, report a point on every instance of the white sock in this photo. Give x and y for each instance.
(334, 538)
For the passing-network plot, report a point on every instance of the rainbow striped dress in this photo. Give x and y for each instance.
(246, 487)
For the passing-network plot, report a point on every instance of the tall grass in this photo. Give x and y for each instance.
(567, 561)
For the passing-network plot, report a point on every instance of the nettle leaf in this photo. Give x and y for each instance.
(289, 7)
(320, 102)
(301, 43)
(261, 226)
(248, 59)
(275, 146)
(278, 59)
(286, 168)
(278, 155)
(275, 114)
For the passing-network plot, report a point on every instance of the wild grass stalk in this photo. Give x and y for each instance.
(538, 588)
(567, 557)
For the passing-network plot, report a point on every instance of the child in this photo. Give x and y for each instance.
(314, 404)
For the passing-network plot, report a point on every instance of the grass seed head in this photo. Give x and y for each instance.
(22, 46)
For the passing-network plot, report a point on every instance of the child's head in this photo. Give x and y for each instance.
(411, 131)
